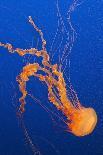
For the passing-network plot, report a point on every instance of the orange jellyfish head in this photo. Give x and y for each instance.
(82, 121)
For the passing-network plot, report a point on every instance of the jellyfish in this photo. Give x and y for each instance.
(80, 120)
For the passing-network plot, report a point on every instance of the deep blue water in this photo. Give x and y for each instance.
(86, 76)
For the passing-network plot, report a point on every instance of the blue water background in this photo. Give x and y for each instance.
(86, 76)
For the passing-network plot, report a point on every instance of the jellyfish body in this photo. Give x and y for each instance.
(83, 121)
(80, 121)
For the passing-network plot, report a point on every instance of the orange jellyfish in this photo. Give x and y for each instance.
(80, 121)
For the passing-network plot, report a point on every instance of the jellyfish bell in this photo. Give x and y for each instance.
(82, 121)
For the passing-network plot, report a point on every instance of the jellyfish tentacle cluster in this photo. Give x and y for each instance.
(80, 121)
